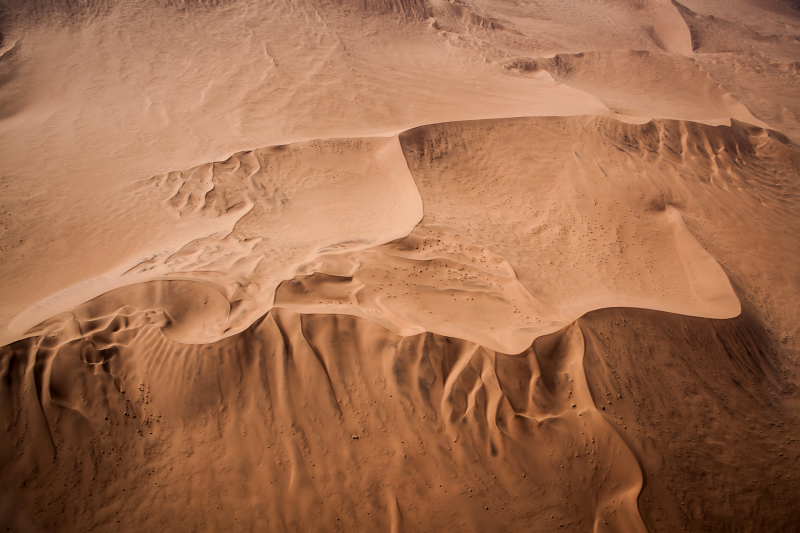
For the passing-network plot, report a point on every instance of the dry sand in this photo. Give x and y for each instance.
(400, 265)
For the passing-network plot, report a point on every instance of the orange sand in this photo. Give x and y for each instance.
(400, 265)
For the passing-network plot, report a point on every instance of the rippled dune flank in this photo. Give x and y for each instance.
(400, 265)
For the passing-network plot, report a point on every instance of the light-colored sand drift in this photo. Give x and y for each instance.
(577, 242)
(432, 282)
(76, 134)
(586, 199)
(251, 221)
(580, 234)
(428, 281)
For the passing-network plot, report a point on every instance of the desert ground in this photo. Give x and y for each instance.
(400, 265)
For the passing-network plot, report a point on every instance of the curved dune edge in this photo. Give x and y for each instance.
(622, 244)
(431, 281)
(338, 77)
(245, 224)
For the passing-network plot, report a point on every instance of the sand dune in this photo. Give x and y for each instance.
(412, 433)
(146, 105)
(581, 225)
(397, 417)
(244, 226)
(399, 265)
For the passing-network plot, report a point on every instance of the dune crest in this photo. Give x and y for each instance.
(583, 252)
(430, 281)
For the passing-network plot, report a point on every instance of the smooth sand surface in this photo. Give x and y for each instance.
(400, 265)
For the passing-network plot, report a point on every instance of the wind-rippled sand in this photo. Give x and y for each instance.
(400, 265)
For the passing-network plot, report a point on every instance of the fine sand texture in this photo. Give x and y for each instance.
(400, 265)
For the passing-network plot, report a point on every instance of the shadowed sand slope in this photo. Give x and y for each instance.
(326, 421)
(706, 408)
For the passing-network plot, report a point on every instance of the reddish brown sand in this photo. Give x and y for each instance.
(400, 265)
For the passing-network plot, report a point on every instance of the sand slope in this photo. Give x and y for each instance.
(402, 433)
(277, 406)
(399, 265)
(245, 226)
(396, 418)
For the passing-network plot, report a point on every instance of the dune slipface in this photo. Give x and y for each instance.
(399, 265)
